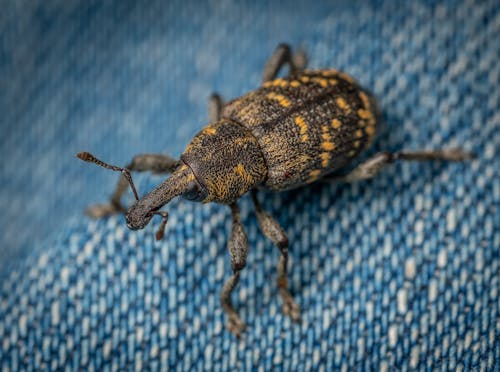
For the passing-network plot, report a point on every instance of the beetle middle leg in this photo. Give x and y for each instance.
(282, 56)
(238, 251)
(272, 230)
(375, 164)
(156, 163)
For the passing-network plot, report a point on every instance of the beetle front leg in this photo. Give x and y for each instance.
(156, 163)
(272, 230)
(371, 167)
(238, 251)
(282, 56)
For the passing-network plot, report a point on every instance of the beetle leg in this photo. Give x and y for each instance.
(299, 60)
(272, 230)
(375, 164)
(281, 56)
(156, 163)
(238, 251)
(215, 104)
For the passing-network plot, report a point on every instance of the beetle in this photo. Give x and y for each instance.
(290, 132)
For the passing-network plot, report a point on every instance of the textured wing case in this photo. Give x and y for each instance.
(307, 125)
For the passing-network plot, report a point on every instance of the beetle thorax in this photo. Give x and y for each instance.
(227, 160)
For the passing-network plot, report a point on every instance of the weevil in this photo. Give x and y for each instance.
(288, 133)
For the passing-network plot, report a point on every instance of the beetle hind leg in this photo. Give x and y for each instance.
(272, 230)
(371, 167)
(156, 163)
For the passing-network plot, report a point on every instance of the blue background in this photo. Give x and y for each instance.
(398, 271)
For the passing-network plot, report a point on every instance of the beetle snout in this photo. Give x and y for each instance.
(137, 220)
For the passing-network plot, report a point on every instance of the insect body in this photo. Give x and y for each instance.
(290, 132)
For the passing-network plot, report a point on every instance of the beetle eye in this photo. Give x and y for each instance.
(194, 192)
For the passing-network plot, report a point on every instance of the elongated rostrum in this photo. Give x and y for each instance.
(290, 132)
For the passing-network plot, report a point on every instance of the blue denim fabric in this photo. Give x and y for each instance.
(399, 272)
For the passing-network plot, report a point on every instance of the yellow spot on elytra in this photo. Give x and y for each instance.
(313, 175)
(336, 73)
(329, 73)
(325, 158)
(301, 123)
(370, 130)
(304, 79)
(328, 146)
(276, 83)
(280, 83)
(351, 153)
(342, 104)
(365, 100)
(280, 98)
(357, 144)
(210, 130)
(299, 120)
(365, 114)
(320, 81)
(295, 83)
(358, 133)
(336, 123)
(346, 77)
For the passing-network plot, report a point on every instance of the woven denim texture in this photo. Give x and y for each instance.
(399, 272)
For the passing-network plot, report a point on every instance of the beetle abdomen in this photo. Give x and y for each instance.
(308, 125)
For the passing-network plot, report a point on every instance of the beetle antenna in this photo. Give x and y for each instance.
(161, 229)
(88, 157)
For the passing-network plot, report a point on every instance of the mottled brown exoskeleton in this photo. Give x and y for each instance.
(290, 132)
